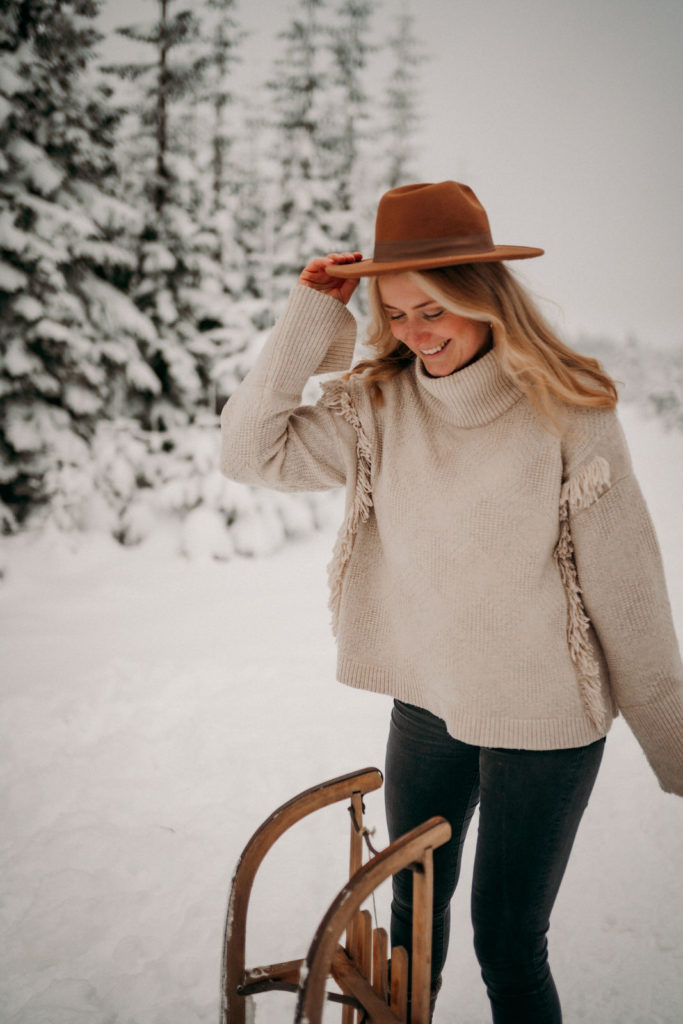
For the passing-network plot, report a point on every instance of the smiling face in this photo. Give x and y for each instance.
(444, 341)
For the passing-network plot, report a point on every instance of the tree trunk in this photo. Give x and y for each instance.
(161, 184)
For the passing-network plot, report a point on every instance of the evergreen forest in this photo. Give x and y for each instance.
(154, 215)
(153, 219)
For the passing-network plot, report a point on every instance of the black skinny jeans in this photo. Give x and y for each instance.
(530, 806)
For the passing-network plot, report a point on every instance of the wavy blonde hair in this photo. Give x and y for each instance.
(542, 366)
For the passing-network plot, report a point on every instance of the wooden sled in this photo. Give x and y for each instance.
(360, 966)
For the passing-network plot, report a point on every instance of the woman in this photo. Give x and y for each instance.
(496, 572)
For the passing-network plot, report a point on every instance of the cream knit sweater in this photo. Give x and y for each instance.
(500, 575)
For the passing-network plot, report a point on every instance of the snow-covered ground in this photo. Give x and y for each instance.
(155, 710)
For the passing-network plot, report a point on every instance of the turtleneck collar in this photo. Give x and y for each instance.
(471, 397)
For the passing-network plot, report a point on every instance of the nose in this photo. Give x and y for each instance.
(415, 333)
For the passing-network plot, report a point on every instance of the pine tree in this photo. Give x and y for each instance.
(244, 306)
(159, 166)
(223, 40)
(226, 299)
(349, 159)
(173, 72)
(223, 299)
(252, 220)
(70, 341)
(400, 108)
(183, 168)
(303, 194)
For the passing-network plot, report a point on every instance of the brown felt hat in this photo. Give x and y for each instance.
(419, 227)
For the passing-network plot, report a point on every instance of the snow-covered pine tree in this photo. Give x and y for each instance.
(223, 38)
(400, 109)
(69, 338)
(242, 304)
(228, 303)
(350, 149)
(192, 286)
(303, 196)
(159, 167)
(253, 212)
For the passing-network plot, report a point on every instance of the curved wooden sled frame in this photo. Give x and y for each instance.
(360, 967)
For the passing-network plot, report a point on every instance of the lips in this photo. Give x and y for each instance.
(434, 351)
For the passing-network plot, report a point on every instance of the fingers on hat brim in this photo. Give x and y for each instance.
(369, 268)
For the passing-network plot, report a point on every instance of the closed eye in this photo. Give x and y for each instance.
(427, 316)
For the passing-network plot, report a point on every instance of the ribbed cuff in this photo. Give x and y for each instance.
(658, 727)
(315, 334)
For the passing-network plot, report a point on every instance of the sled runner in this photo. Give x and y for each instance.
(359, 966)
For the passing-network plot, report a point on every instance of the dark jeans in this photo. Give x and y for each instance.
(531, 803)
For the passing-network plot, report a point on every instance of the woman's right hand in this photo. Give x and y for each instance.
(314, 275)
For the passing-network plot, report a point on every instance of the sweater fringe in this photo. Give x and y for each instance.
(579, 492)
(589, 484)
(336, 397)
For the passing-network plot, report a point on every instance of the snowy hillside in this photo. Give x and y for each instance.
(155, 709)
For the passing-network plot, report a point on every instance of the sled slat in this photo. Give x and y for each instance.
(364, 954)
(399, 983)
(348, 1014)
(423, 883)
(380, 961)
(355, 857)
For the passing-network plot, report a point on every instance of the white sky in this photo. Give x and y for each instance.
(564, 116)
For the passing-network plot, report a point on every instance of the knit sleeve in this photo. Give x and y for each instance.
(621, 579)
(268, 437)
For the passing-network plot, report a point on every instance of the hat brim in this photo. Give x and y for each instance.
(373, 268)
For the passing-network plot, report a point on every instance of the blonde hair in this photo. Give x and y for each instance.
(530, 353)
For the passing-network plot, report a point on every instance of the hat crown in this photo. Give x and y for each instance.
(425, 216)
(429, 211)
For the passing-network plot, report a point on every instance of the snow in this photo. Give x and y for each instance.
(156, 709)
(142, 377)
(36, 168)
(118, 313)
(52, 330)
(104, 254)
(11, 237)
(81, 401)
(27, 426)
(107, 211)
(204, 535)
(10, 81)
(27, 307)
(11, 279)
(54, 217)
(165, 306)
(157, 258)
(19, 361)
